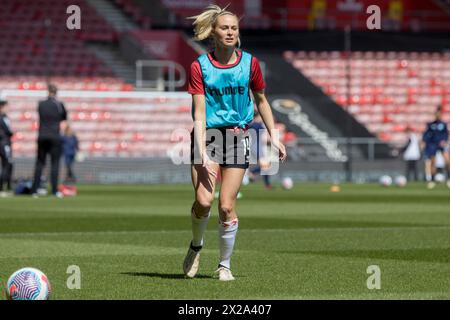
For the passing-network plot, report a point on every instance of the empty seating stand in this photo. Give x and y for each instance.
(36, 40)
(112, 126)
(389, 91)
(108, 127)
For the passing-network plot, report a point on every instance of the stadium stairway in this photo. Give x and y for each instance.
(284, 81)
(111, 56)
(113, 15)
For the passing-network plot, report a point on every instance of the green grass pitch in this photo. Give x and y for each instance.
(307, 243)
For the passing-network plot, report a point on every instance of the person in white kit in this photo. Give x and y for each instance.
(411, 155)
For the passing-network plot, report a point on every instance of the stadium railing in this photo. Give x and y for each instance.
(160, 68)
(127, 137)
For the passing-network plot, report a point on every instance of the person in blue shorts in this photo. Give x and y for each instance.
(259, 140)
(435, 139)
(70, 149)
(446, 155)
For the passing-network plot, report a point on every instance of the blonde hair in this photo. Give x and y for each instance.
(205, 22)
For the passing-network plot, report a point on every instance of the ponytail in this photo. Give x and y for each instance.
(204, 22)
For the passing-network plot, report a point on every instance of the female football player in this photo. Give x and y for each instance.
(220, 84)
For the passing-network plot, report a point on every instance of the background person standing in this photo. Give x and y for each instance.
(70, 149)
(435, 138)
(412, 155)
(51, 114)
(5, 149)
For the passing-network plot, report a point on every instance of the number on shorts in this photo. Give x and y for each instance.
(246, 143)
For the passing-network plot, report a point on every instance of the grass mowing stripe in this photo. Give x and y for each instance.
(130, 241)
(125, 232)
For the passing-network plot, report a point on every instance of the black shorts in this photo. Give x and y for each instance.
(227, 147)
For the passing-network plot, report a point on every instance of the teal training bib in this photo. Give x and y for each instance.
(227, 92)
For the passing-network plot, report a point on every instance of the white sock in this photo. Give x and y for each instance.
(198, 229)
(429, 177)
(227, 236)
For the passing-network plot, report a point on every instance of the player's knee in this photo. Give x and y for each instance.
(204, 200)
(225, 209)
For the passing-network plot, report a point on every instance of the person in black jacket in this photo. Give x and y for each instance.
(51, 114)
(5, 149)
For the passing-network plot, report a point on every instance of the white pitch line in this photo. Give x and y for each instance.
(75, 233)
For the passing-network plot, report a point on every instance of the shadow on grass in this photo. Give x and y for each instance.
(129, 223)
(163, 275)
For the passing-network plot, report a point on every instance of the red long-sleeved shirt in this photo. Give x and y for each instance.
(195, 85)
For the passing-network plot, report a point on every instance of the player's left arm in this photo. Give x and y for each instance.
(266, 114)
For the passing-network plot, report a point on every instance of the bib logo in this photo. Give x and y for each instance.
(226, 91)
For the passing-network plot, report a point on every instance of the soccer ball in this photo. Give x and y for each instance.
(385, 181)
(28, 284)
(80, 157)
(335, 188)
(439, 177)
(287, 183)
(400, 181)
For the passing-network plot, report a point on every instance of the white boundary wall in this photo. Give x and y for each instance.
(4, 94)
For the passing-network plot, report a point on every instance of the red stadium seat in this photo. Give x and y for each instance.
(388, 88)
(25, 53)
(111, 127)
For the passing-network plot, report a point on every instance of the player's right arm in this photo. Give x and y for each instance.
(197, 90)
(199, 103)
